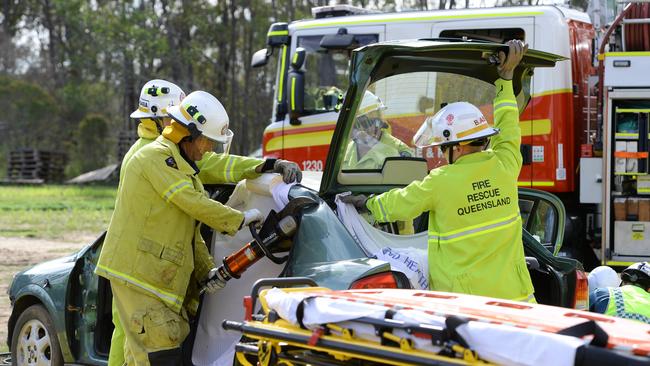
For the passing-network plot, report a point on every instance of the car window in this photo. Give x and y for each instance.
(539, 217)
(393, 109)
(525, 208)
(542, 223)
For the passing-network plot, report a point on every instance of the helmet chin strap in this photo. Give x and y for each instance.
(450, 158)
(194, 132)
(159, 124)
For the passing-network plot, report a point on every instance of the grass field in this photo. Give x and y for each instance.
(54, 212)
(38, 223)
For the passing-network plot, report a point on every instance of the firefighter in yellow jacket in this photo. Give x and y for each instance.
(474, 243)
(372, 141)
(155, 97)
(153, 253)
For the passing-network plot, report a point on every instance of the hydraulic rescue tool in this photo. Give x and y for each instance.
(273, 237)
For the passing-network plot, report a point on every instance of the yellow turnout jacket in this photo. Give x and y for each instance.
(153, 242)
(474, 243)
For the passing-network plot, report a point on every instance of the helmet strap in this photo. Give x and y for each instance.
(194, 132)
(482, 142)
(159, 124)
(450, 148)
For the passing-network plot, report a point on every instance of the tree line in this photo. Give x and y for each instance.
(71, 70)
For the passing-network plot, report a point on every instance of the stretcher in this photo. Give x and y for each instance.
(318, 326)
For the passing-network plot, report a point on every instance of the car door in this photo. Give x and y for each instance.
(557, 280)
(88, 305)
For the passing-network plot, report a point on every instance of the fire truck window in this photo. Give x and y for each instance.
(491, 35)
(326, 72)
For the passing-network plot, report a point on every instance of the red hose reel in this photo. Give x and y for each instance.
(637, 36)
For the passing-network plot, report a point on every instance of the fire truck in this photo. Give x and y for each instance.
(574, 143)
(623, 97)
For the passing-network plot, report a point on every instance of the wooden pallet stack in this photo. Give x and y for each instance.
(32, 166)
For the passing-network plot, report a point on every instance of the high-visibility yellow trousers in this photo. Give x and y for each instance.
(153, 332)
(116, 354)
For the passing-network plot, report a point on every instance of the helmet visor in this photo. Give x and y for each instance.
(364, 122)
(424, 136)
(222, 146)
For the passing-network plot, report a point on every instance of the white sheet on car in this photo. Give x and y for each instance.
(405, 253)
(213, 345)
(498, 343)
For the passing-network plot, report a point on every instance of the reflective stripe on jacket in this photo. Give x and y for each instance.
(475, 234)
(149, 244)
(629, 302)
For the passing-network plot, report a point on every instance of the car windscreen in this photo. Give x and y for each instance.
(393, 109)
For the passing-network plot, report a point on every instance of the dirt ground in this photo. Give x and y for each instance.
(19, 253)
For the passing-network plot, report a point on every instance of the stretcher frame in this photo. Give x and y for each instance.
(276, 341)
(273, 340)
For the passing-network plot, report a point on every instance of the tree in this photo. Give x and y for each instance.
(28, 118)
(92, 147)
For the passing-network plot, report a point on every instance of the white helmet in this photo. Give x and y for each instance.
(156, 97)
(203, 114)
(603, 276)
(370, 103)
(637, 274)
(455, 123)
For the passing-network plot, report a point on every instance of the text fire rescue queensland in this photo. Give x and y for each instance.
(484, 198)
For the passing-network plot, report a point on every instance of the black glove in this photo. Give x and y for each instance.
(358, 201)
(289, 170)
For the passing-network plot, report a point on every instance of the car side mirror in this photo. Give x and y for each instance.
(261, 57)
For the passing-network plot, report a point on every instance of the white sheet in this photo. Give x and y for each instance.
(405, 253)
(213, 345)
(501, 344)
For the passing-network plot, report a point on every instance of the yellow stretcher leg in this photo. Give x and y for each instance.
(468, 355)
(404, 343)
(241, 358)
